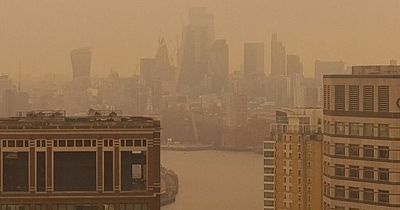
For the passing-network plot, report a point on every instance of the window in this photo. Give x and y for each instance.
(339, 149)
(339, 191)
(353, 150)
(354, 98)
(269, 187)
(339, 128)
(383, 98)
(369, 130)
(368, 98)
(383, 130)
(355, 129)
(368, 194)
(354, 171)
(368, 151)
(339, 97)
(383, 152)
(383, 174)
(327, 97)
(269, 154)
(269, 146)
(339, 208)
(268, 170)
(268, 178)
(354, 193)
(269, 162)
(268, 195)
(339, 170)
(383, 196)
(368, 173)
(136, 206)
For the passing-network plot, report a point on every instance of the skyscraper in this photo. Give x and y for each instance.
(193, 57)
(219, 65)
(254, 60)
(294, 65)
(81, 63)
(292, 160)
(278, 57)
(361, 139)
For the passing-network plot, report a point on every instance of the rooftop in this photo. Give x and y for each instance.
(57, 119)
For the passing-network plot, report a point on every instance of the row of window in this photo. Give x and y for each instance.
(368, 173)
(353, 150)
(368, 98)
(357, 129)
(353, 193)
(73, 143)
(137, 206)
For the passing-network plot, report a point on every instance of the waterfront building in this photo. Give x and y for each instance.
(254, 60)
(101, 161)
(361, 139)
(292, 160)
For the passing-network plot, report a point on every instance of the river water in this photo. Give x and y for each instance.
(216, 180)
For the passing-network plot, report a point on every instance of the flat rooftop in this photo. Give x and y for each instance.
(59, 120)
(370, 71)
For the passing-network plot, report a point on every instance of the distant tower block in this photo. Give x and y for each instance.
(393, 62)
(81, 62)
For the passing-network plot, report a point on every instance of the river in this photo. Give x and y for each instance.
(216, 180)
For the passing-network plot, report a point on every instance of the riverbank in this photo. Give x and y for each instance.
(187, 148)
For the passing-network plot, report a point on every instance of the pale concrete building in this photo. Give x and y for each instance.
(361, 139)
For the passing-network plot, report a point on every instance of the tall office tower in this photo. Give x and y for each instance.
(294, 65)
(361, 139)
(254, 60)
(148, 70)
(278, 57)
(292, 161)
(193, 55)
(235, 110)
(81, 60)
(101, 161)
(219, 65)
(164, 69)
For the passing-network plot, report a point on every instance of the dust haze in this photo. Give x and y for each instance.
(41, 33)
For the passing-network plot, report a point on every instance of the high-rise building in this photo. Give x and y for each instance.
(235, 110)
(81, 60)
(278, 57)
(219, 65)
(294, 65)
(254, 60)
(361, 139)
(194, 52)
(101, 161)
(292, 160)
(148, 71)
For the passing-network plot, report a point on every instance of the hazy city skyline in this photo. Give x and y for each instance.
(41, 34)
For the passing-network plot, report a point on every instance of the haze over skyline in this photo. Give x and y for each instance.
(42, 33)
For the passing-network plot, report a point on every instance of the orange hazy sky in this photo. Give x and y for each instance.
(41, 33)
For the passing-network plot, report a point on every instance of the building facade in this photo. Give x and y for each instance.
(101, 161)
(292, 161)
(361, 139)
(254, 60)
